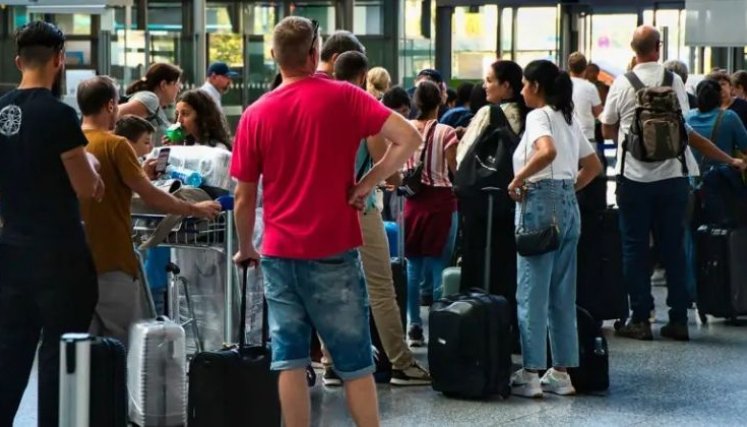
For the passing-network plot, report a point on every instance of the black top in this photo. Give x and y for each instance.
(739, 106)
(38, 205)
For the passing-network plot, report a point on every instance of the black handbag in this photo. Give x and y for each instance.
(537, 242)
(412, 179)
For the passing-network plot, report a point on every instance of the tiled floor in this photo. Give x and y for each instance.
(659, 383)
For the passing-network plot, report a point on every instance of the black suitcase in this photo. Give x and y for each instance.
(722, 272)
(471, 339)
(593, 372)
(599, 286)
(235, 386)
(593, 197)
(93, 382)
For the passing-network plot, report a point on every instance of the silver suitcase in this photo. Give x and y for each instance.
(156, 379)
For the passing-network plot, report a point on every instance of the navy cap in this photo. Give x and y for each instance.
(221, 69)
(431, 74)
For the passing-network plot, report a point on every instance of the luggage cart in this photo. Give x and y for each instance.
(216, 235)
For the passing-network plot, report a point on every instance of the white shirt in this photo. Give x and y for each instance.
(570, 144)
(585, 97)
(620, 107)
(213, 92)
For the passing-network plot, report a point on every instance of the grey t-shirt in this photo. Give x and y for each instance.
(156, 115)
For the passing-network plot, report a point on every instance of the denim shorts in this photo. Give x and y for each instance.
(328, 294)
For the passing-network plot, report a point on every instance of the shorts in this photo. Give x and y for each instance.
(328, 294)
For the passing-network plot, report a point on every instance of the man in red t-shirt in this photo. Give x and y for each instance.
(302, 139)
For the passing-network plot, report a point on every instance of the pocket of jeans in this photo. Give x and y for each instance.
(537, 212)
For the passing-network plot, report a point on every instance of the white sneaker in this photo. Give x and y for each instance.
(557, 382)
(526, 384)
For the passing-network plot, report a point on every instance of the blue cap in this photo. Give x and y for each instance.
(221, 69)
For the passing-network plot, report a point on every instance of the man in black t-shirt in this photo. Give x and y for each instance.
(48, 281)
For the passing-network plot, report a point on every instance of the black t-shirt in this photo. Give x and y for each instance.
(38, 205)
(739, 106)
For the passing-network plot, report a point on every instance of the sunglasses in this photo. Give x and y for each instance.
(315, 25)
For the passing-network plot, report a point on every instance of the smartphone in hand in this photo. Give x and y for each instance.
(162, 160)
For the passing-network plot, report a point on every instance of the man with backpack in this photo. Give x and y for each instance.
(643, 114)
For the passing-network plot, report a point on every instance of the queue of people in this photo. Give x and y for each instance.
(330, 122)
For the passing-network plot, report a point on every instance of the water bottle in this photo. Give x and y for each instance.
(599, 349)
(187, 176)
(175, 133)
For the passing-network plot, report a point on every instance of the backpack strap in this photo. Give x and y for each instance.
(634, 81)
(497, 116)
(717, 126)
(668, 79)
(364, 166)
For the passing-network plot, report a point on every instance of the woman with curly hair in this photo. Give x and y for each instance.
(201, 120)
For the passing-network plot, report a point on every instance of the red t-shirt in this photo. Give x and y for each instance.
(302, 138)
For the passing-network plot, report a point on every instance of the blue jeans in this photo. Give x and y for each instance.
(546, 291)
(419, 269)
(426, 287)
(657, 207)
(328, 294)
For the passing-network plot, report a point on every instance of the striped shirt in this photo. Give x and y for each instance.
(436, 170)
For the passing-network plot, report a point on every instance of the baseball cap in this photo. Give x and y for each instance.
(431, 74)
(221, 69)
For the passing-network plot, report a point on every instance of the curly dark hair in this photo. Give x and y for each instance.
(211, 123)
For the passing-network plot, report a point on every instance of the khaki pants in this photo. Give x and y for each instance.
(121, 303)
(380, 284)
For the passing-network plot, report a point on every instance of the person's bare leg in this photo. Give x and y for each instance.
(294, 398)
(362, 401)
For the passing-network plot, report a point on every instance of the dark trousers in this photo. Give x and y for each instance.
(659, 208)
(43, 293)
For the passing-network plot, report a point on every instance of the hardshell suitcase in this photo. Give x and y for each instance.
(722, 272)
(450, 280)
(92, 382)
(235, 386)
(471, 339)
(599, 287)
(156, 380)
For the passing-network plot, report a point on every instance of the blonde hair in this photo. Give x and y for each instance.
(378, 82)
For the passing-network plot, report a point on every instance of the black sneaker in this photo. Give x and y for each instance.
(415, 336)
(675, 331)
(414, 375)
(330, 378)
(636, 330)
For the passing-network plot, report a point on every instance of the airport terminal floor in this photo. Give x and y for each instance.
(659, 383)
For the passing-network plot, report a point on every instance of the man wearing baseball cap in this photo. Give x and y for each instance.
(219, 79)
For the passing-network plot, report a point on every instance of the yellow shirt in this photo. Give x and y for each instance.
(108, 224)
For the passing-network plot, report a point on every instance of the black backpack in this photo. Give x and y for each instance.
(489, 163)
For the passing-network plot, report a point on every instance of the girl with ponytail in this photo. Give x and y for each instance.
(152, 93)
(547, 176)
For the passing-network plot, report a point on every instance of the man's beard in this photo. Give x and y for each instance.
(57, 85)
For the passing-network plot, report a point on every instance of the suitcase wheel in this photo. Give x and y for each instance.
(618, 324)
(506, 392)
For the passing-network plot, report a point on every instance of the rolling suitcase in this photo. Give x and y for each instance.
(396, 239)
(470, 342)
(92, 382)
(722, 272)
(593, 373)
(600, 289)
(235, 386)
(156, 380)
(451, 279)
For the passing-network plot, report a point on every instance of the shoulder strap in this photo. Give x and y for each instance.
(634, 81)
(429, 135)
(497, 116)
(364, 165)
(717, 126)
(668, 80)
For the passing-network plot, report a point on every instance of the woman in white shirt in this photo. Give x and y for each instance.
(547, 176)
(202, 121)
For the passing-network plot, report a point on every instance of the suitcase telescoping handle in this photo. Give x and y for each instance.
(245, 265)
(491, 192)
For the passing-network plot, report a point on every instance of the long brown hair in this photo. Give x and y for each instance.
(211, 123)
(156, 74)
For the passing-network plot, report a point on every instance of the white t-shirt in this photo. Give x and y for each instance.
(620, 107)
(570, 143)
(585, 97)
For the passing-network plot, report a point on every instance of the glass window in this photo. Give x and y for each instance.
(473, 42)
(72, 24)
(218, 19)
(323, 13)
(536, 34)
(367, 17)
(416, 52)
(610, 41)
(507, 33)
